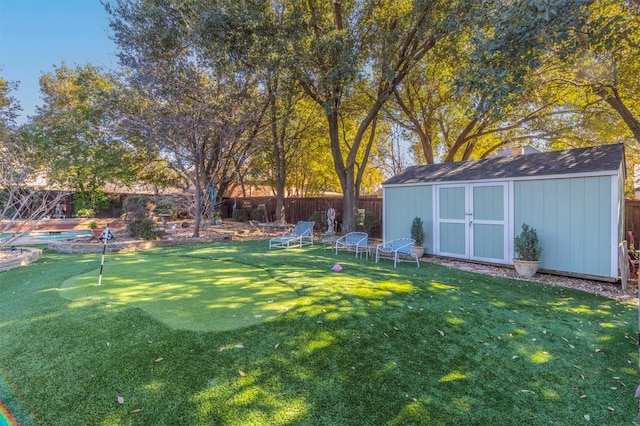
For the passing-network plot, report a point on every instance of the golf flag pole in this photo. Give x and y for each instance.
(104, 238)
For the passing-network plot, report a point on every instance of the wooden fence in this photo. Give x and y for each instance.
(302, 208)
(296, 209)
(632, 218)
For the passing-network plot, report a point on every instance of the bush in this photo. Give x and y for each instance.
(258, 215)
(137, 207)
(85, 213)
(166, 205)
(144, 228)
(240, 215)
(88, 203)
(317, 218)
(527, 245)
(417, 231)
(367, 222)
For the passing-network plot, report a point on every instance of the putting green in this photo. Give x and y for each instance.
(186, 292)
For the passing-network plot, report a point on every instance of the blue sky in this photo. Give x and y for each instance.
(35, 35)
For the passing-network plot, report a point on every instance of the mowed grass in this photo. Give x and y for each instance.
(185, 292)
(233, 333)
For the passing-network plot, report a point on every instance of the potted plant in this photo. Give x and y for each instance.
(527, 248)
(94, 228)
(417, 233)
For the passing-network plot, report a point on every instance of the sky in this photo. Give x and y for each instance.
(35, 35)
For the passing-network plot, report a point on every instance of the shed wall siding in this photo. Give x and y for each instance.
(401, 205)
(573, 220)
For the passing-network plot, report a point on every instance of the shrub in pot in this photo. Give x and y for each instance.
(417, 233)
(527, 248)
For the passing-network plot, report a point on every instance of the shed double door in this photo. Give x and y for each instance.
(471, 222)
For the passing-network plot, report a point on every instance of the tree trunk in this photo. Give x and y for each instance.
(197, 199)
(612, 97)
(278, 153)
(350, 214)
(198, 212)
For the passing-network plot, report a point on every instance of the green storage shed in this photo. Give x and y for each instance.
(474, 209)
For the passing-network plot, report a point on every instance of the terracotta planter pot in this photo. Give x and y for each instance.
(526, 268)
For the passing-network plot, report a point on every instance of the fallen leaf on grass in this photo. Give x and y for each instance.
(137, 410)
(159, 359)
(276, 346)
(242, 373)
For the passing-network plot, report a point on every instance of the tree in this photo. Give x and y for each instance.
(343, 49)
(453, 125)
(27, 192)
(604, 60)
(588, 48)
(348, 56)
(203, 119)
(75, 129)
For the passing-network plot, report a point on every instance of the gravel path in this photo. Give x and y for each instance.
(601, 288)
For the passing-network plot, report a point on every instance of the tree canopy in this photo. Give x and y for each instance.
(309, 96)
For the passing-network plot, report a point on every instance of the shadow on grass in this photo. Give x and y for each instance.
(370, 345)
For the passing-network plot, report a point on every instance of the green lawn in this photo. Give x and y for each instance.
(232, 333)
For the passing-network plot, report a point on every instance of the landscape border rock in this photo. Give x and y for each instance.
(73, 246)
(25, 257)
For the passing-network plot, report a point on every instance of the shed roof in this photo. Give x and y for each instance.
(603, 158)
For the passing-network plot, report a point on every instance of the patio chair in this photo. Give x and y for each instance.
(353, 241)
(401, 250)
(300, 235)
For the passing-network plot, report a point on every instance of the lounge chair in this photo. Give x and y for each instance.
(401, 250)
(353, 241)
(300, 235)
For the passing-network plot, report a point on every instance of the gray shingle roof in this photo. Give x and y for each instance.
(572, 161)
